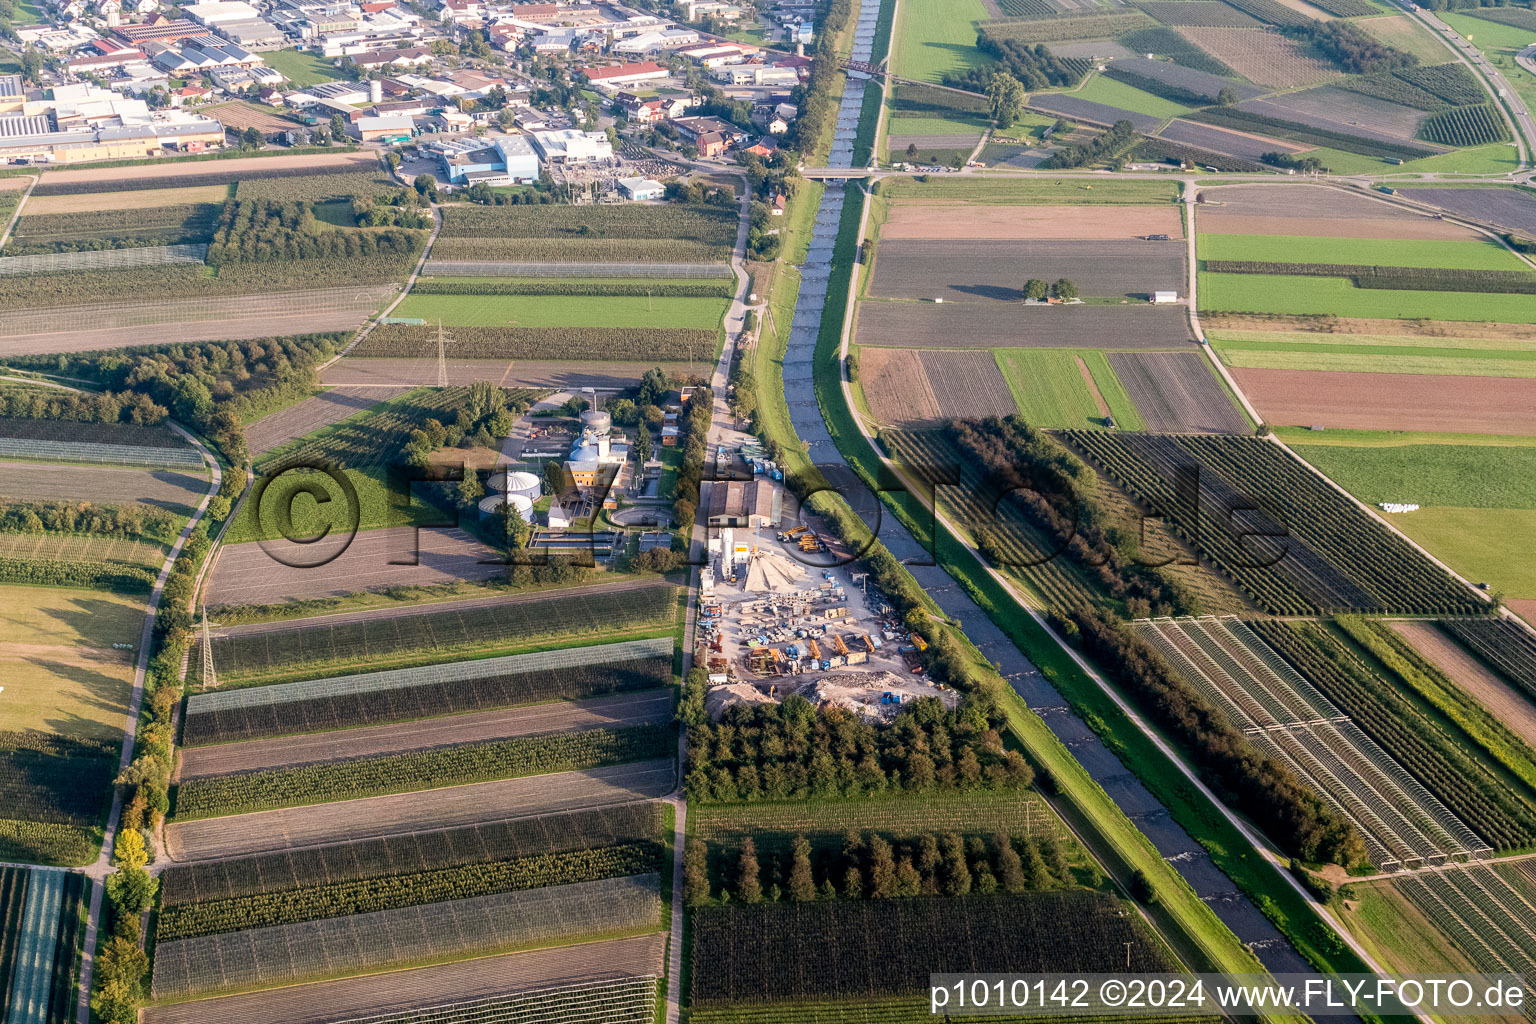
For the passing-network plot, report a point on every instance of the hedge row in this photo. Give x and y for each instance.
(1151, 148)
(128, 579)
(629, 344)
(1433, 279)
(723, 289)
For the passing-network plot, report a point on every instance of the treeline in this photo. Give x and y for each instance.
(128, 521)
(265, 230)
(637, 344)
(1295, 817)
(1152, 148)
(484, 417)
(790, 751)
(873, 866)
(1352, 48)
(1104, 146)
(77, 407)
(693, 439)
(53, 572)
(210, 386)
(818, 106)
(1055, 492)
(1033, 65)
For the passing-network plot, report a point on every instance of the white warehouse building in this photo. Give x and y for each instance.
(572, 146)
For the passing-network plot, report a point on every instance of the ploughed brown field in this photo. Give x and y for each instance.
(308, 416)
(1305, 209)
(119, 485)
(977, 325)
(894, 386)
(951, 220)
(1392, 401)
(1176, 393)
(1509, 706)
(976, 269)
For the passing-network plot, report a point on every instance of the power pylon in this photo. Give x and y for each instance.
(442, 361)
(210, 678)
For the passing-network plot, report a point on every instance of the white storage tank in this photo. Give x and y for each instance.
(522, 505)
(524, 484)
(491, 504)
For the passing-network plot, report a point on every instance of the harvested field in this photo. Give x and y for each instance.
(1509, 208)
(895, 386)
(360, 372)
(1392, 401)
(247, 574)
(967, 384)
(989, 269)
(1262, 56)
(324, 1002)
(639, 708)
(1220, 140)
(1067, 105)
(971, 325)
(148, 198)
(67, 547)
(241, 116)
(1403, 32)
(1526, 609)
(1507, 704)
(1177, 393)
(1341, 110)
(930, 219)
(84, 328)
(1091, 49)
(308, 416)
(160, 488)
(298, 827)
(358, 161)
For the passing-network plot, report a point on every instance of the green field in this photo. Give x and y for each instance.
(310, 517)
(1463, 362)
(563, 311)
(1381, 252)
(1467, 475)
(302, 68)
(1032, 192)
(1101, 89)
(935, 37)
(1329, 341)
(959, 124)
(61, 673)
(1338, 296)
(1049, 388)
(969, 813)
(1486, 545)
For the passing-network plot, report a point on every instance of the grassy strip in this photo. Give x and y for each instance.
(418, 770)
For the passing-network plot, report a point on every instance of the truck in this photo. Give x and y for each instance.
(815, 650)
(839, 646)
(788, 534)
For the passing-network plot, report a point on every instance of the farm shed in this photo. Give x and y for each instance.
(1161, 297)
(641, 188)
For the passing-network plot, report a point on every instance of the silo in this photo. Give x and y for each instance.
(522, 506)
(524, 484)
(497, 482)
(491, 504)
(375, 91)
(596, 421)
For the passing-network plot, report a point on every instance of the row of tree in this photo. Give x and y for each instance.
(874, 866)
(790, 750)
(1352, 48)
(77, 407)
(264, 230)
(128, 521)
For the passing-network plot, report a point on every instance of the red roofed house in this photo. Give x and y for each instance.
(377, 6)
(626, 74)
(537, 13)
(191, 94)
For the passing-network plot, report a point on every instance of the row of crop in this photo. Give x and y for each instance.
(704, 224)
(219, 177)
(1181, 51)
(375, 707)
(362, 896)
(1064, 27)
(1028, 8)
(1153, 148)
(1196, 14)
(630, 344)
(1505, 646)
(1482, 728)
(1295, 131)
(1464, 126)
(52, 572)
(577, 249)
(1309, 549)
(381, 643)
(1272, 11)
(410, 852)
(1475, 794)
(1451, 82)
(13, 898)
(112, 229)
(1434, 279)
(314, 188)
(48, 843)
(1394, 89)
(1348, 8)
(723, 289)
(1167, 90)
(424, 769)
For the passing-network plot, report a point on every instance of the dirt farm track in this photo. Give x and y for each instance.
(396, 991)
(294, 828)
(1392, 401)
